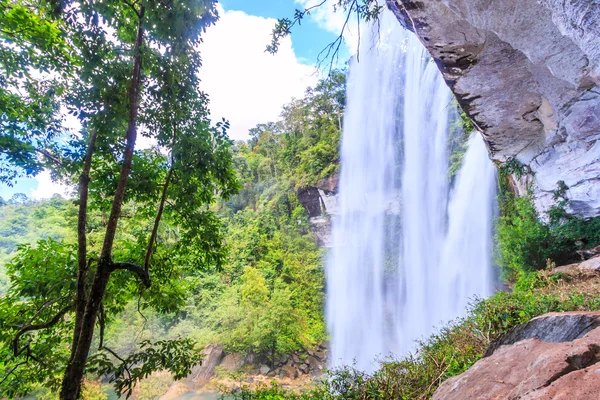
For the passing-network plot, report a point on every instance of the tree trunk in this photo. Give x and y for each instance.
(72, 380)
(82, 265)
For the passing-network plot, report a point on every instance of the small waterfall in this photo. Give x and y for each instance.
(407, 256)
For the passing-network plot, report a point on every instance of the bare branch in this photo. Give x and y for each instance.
(132, 6)
(123, 362)
(51, 157)
(37, 327)
(136, 269)
(12, 371)
(335, 45)
(161, 208)
(43, 307)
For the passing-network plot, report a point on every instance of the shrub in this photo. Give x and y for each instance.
(525, 243)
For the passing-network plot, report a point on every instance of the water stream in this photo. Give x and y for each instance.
(411, 248)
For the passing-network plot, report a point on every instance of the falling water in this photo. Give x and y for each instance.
(407, 255)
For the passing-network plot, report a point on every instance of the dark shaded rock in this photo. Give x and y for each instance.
(283, 360)
(589, 253)
(320, 355)
(304, 368)
(552, 327)
(296, 359)
(314, 364)
(251, 359)
(310, 198)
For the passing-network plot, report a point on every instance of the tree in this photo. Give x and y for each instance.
(18, 198)
(123, 68)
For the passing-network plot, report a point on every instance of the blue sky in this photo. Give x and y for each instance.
(308, 39)
(246, 85)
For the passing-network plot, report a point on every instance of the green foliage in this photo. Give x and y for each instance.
(268, 296)
(122, 69)
(303, 147)
(452, 350)
(526, 243)
(153, 387)
(33, 56)
(27, 222)
(458, 137)
(175, 356)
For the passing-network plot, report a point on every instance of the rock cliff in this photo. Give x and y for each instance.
(528, 74)
(554, 356)
(320, 202)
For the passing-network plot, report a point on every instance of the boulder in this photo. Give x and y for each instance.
(212, 356)
(287, 371)
(551, 327)
(592, 266)
(314, 365)
(550, 357)
(296, 359)
(282, 360)
(589, 253)
(304, 368)
(232, 362)
(264, 369)
(320, 355)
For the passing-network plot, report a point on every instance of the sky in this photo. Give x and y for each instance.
(246, 85)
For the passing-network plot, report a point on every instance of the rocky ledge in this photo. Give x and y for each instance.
(528, 74)
(292, 366)
(554, 356)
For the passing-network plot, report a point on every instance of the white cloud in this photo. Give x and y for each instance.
(246, 85)
(46, 188)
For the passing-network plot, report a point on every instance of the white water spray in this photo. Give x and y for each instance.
(405, 258)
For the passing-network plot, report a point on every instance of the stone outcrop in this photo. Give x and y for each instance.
(552, 328)
(528, 74)
(212, 356)
(591, 266)
(320, 201)
(295, 365)
(554, 356)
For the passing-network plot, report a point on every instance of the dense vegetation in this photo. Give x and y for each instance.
(200, 240)
(266, 296)
(527, 241)
(527, 244)
(121, 69)
(454, 349)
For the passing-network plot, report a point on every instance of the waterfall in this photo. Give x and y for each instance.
(409, 252)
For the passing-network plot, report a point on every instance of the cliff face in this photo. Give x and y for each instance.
(320, 202)
(528, 74)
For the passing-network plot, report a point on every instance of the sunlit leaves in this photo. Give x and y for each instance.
(176, 356)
